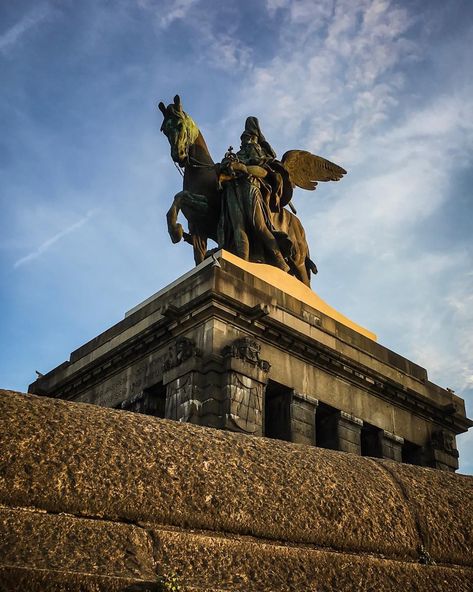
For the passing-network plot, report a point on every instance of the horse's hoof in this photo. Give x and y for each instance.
(176, 233)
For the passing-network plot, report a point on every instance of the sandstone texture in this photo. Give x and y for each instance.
(96, 499)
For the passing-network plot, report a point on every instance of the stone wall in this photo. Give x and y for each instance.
(98, 499)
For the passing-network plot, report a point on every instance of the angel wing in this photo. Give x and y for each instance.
(306, 169)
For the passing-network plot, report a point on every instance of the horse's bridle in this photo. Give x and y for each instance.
(192, 162)
(196, 163)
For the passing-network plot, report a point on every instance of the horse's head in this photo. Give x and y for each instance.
(180, 130)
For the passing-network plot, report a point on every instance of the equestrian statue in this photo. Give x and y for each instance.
(241, 203)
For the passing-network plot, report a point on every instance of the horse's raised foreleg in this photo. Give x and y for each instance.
(195, 208)
(175, 229)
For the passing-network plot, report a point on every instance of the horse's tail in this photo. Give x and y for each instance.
(310, 266)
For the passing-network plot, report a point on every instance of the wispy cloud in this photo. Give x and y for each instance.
(14, 34)
(169, 10)
(176, 10)
(336, 74)
(217, 46)
(225, 51)
(400, 178)
(43, 247)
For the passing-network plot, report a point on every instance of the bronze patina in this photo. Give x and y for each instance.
(241, 202)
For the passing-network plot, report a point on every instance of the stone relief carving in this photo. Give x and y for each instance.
(113, 390)
(179, 351)
(246, 349)
(245, 392)
(445, 441)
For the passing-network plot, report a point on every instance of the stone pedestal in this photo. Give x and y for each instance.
(245, 347)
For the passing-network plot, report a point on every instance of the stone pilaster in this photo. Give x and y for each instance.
(391, 446)
(303, 411)
(442, 452)
(182, 378)
(244, 382)
(349, 432)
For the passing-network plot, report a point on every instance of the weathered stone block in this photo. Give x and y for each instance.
(349, 433)
(391, 446)
(303, 409)
(99, 462)
(302, 433)
(37, 540)
(443, 505)
(239, 563)
(21, 579)
(443, 460)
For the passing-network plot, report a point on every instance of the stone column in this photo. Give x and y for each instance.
(391, 446)
(349, 432)
(303, 410)
(244, 383)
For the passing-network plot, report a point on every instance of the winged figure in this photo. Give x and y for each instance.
(298, 167)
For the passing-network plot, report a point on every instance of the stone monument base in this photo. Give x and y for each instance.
(247, 348)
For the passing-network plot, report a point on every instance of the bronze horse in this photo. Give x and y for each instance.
(200, 198)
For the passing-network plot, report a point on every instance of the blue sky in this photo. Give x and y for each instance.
(383, 88)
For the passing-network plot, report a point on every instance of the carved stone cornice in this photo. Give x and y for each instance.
(258, 321)
(105, 366)
(319, 355)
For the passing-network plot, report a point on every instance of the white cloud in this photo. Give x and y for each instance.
(175, 10)
(14, 34)
(273, 5)
(336, 75)
(308, 11)
(225, 51)
(168, 11)
(215, 45)
(401, 177)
